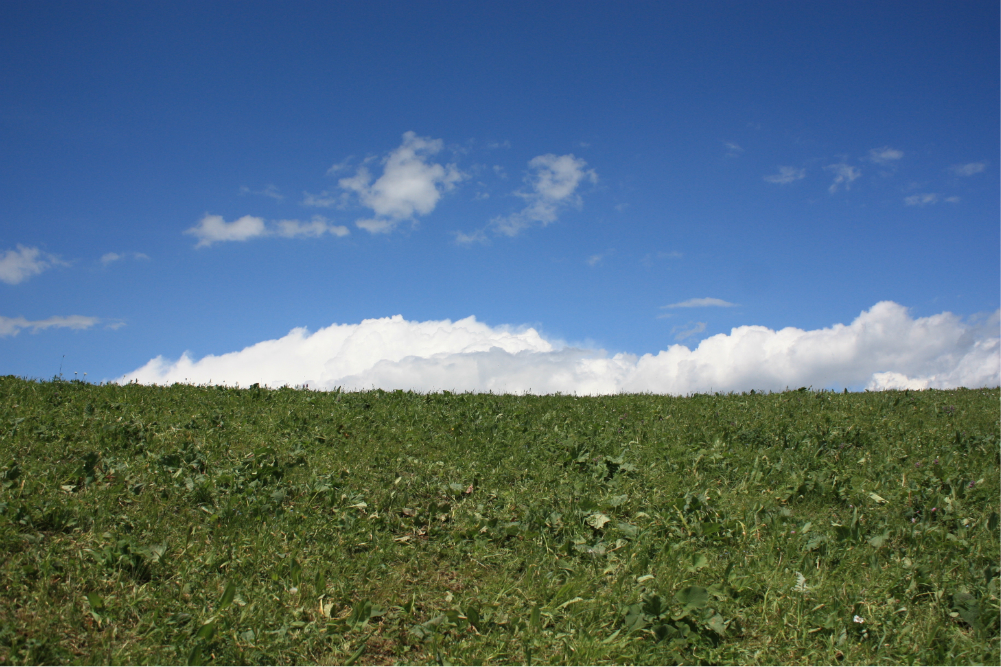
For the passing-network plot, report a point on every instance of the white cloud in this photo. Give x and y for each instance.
(952, 200)
(885, 155)
(322, 200)
(19, 265)
(968, 169)
(681, 333)
(843, 174)
(883, 346)
(317, 227)
(922, 199)
(213, 229)
(594, 260)
(786, 175)
(410, 185)
(701, 303)
(552, 187)
(109, 257)
(11, 326)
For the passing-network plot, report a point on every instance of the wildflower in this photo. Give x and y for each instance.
(914, 519)
(293, 590)
(917, 464)
(972, 484)
(792, 532)
(858, 619)
(933, 509)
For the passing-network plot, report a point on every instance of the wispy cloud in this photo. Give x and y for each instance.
(11, 326)
(551, 187)
(786, 175)
(702, 303)
(111, 257)
(921, 199)
(968, 169)
(18, 265)
(214, 229)
(884, 155)
(883, 347)
(681, 332)
(844, 174)
(270, 191)
(410, 184)
(732, 149)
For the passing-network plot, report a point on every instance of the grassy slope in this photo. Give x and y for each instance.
(174, 524)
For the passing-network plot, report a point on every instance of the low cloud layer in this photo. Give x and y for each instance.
(18, 265)
(11, 326)
(213, 229)
(883, 348)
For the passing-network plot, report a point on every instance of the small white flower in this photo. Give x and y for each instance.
(858, 619)
(295, 590)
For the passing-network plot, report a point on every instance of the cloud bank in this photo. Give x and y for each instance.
(883, 348)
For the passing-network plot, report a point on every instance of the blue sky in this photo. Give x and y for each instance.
(616, 178)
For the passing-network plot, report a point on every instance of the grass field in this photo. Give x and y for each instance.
(207, 525)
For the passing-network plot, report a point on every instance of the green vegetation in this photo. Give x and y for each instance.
(219, 525)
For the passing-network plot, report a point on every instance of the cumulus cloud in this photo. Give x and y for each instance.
(883, 347)
(11, 326)
(968, 169)
(701, 303)
(922, 199)
(410, 184)
(786, 175)
(844, 174)
(885, 155)
(18, 265)
(551, 187)
(214, 229)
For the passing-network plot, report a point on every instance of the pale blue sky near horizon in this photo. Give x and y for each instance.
(797, 162)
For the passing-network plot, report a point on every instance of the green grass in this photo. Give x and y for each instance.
(219, 525)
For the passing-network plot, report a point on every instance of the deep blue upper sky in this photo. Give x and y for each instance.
(714, 136)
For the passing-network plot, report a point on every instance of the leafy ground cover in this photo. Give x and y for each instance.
(219, 525)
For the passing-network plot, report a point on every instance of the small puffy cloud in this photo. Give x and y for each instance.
(18, 265)
(921, 199)
(11, 326)
(110, 257)
(594, 260)
(552, 186)
(410, 184)
(681, 332)
(213, 229)
(884, 155)
(786, 175)
(883, 347)
(844, 174)
(968, 169)
(701, 303)
(317, 227)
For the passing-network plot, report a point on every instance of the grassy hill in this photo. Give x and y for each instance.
(220, 525)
